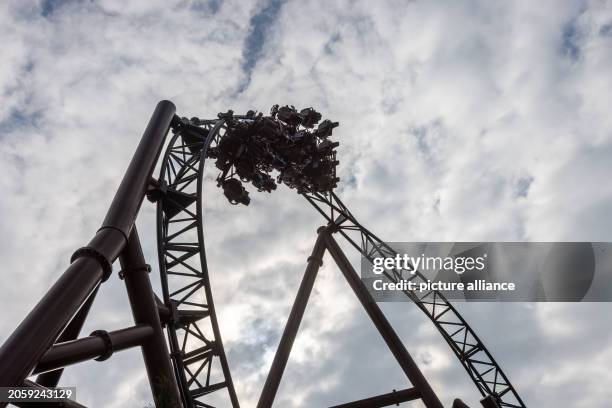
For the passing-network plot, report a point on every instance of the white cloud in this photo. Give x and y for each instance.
(445, 111)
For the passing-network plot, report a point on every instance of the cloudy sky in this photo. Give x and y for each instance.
(460, 121)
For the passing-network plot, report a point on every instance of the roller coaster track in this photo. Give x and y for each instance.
(463, 341)
(197, 352)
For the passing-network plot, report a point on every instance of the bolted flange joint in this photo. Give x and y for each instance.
(315, 259)
(90, 252)
(103, 334)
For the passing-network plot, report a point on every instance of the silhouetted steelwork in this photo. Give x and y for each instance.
(98, 346)
(195, 372)
(421, 390)
(469, 349)
(315, 260)
(471, 352)
(135, 273)
(91, 265)
(196, 347)
(383, 326)
(384, 400)
(71, 332)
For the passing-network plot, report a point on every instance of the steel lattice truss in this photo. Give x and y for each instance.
(196, 348)
(186, 285)
(471, 352)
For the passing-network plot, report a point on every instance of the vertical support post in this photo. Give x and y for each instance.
(293, 323)
(71, 332)
(144, 309)
(383, 326)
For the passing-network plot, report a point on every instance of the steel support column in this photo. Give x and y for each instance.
(144, 309)
(293, 323)
(383, 326)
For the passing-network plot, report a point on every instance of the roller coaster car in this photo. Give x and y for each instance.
(306, 117)
(268, 130)
(310, 117)
(289, 115)
(253, 146)
(235, 192)
(325, 128)
(263, 182)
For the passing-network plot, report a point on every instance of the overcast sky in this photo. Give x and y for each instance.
(460, 121)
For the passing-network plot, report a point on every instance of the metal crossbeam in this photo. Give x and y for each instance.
(384, 400)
